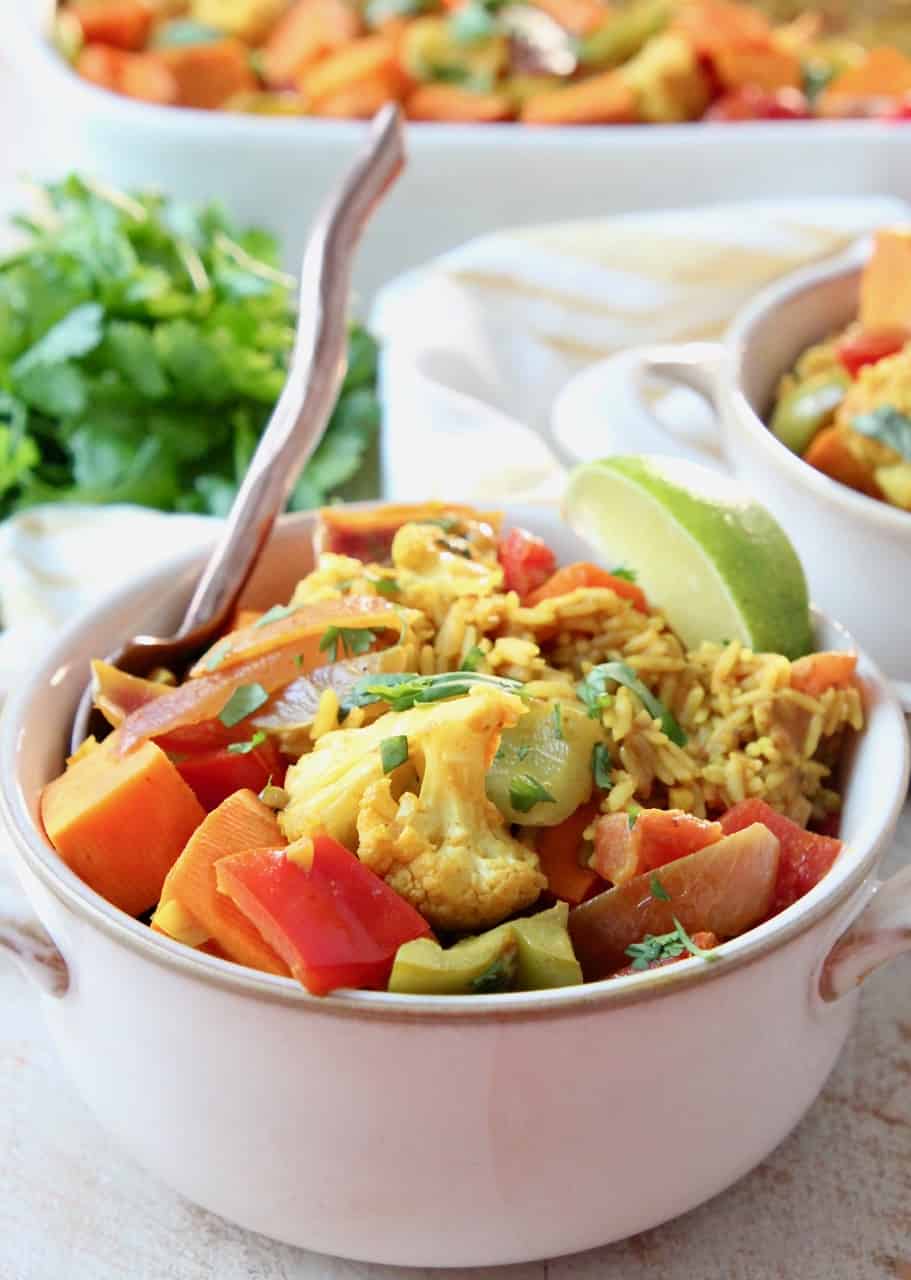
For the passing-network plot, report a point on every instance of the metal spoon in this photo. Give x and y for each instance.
(315, 376)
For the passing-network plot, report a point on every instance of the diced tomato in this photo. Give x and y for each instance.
(215, 775)
(753, 103)
(657, 837)
(334, 923)
(574, 577)
(869, 347)
(820, 671)
(559, 848)
(121, 24)
(527, 561)
(805, 856)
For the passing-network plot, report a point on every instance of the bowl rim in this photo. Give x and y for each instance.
(42, 861)
(214, 125)
(740, 344)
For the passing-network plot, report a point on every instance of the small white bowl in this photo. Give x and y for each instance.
(461, 1131)
(856, 550)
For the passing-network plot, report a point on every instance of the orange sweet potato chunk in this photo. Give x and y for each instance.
(120, 822)
(207, 75)
(240, 823)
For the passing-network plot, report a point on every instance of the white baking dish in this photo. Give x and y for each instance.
(462, 180)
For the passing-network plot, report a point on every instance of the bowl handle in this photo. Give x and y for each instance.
(633, 422)
(879, 934)
(30, 946)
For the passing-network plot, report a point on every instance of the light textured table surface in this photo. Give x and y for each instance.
(832, 1203)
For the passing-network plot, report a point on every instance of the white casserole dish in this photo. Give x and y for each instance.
(462, 180)
(441, 1132)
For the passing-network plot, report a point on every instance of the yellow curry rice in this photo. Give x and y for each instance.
(748, 732)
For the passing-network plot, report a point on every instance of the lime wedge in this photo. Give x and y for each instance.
(709, 557)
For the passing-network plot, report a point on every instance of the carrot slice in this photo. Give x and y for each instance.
(449, 102)
(575, 577)
(305, 626)
(240, 823)
(362, 100)
(120, 822)
(558, 852)
(207, 75)
(602, 99)
(830, 454)
(820, 671)
(307, 31)
(120, 24)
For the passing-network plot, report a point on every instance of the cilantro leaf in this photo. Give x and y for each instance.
(393, 752)
(602, 766)
(148, 340)
(404, 690)
(244, 748)
(887, 425)
(657, 890)
(526, 791)
(277, 613)
(621, 571)
(78, 333)
(593, 690)
(356, 640)
(473, 658)
(245, 699)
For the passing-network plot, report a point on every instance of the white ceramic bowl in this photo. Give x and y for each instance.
(856, 550)
(433, 1131)
(461, 181)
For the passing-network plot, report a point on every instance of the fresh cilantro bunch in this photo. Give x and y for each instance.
(143, 344)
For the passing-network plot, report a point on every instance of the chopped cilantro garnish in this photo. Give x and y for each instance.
(558, 721)
(498, 976)
(602, 766)
(888, 425)
(245, 699)
(298, 660)
(449, 524)
(387, 587)
(217, 656)
(393, 752)
(632, 813)
(276, 614)
(621, 571)
(594, 688)
(522, 751)
(666, 946)
(243, 748)
(356, 640)
(525, 792)
(403, 690)
(473, 658)
(657, 890)
(454, 548)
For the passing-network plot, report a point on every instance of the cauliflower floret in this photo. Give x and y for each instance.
(434, 567)
(439, 842)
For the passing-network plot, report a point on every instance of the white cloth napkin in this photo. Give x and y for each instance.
(479, 342)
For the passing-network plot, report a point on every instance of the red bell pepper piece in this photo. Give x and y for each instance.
(869, 347)
(527, 561)
(334, 923)
(215, 775)
(805, 856)
(574, 576)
